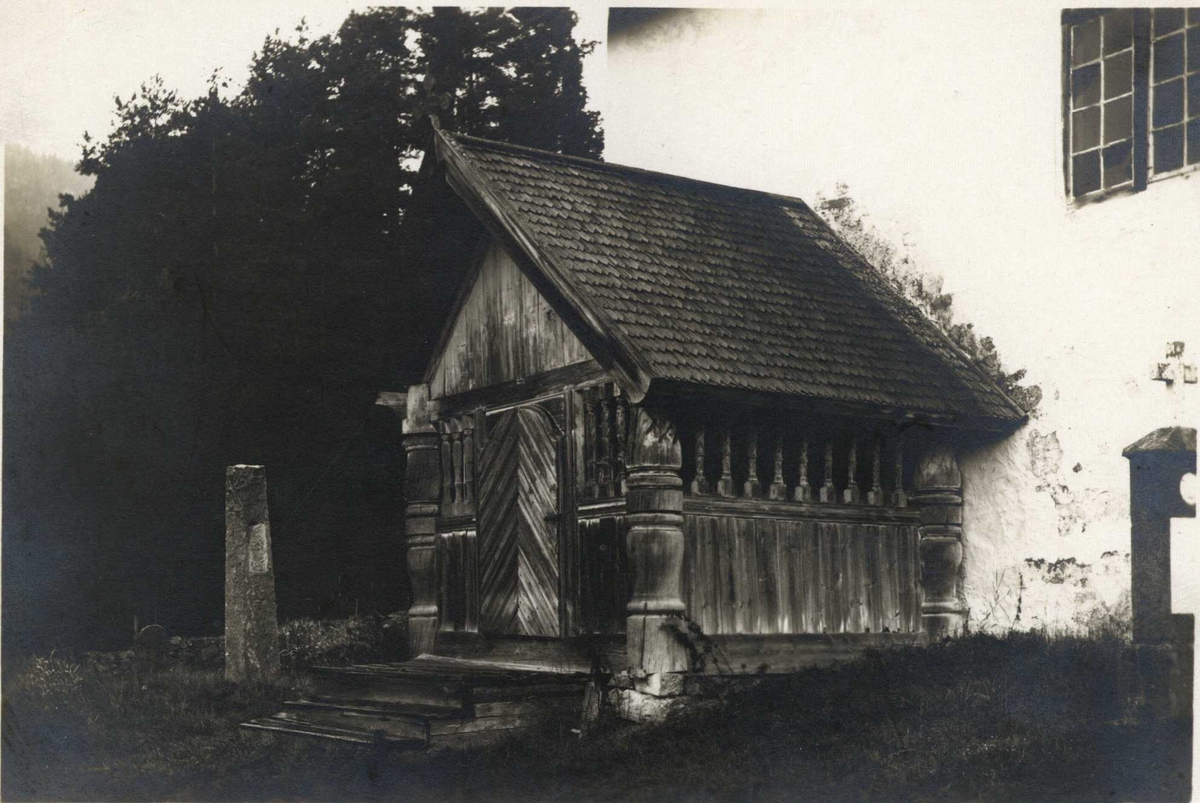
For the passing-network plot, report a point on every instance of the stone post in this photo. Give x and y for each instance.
(422, 486)
(1162, 640)
(1157, 464)
(938, 497)
(655, 544)
(251, 627)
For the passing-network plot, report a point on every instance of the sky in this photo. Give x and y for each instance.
(62, 61)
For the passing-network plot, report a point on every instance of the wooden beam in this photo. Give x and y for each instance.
(520, 390)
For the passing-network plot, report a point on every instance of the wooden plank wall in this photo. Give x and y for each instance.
(505, 330)
(763, 576)
(458, 586)
(605, 584)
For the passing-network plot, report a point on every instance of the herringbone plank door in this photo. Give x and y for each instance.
(518, 532)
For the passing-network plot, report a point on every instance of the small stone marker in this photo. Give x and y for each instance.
(251, 627)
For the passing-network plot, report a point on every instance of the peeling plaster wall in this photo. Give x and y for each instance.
(945, 122)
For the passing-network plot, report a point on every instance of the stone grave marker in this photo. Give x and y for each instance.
(150, 646)
(251, 627)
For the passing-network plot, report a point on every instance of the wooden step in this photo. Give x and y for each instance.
(286, 722)
(429, 701)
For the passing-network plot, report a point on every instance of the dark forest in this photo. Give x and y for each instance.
(237, 286)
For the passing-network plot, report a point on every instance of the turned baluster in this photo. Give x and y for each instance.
(778, 488)
(725, 483)
(828, 492)
(851, 495)
(447, 466)
(468, 450)
(752, 488)
(899, 497)
(604, 476)
(804, 491)
(619, 461)
(590, 490)
(700, 482)
(456, 448)
(875, 496)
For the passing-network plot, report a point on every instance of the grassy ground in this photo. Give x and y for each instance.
(1020, 718)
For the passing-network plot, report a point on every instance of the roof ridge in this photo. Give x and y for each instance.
(624, 168)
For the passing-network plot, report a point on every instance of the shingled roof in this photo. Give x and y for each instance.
(697, 283)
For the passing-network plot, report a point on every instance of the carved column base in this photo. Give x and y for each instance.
(422, 631)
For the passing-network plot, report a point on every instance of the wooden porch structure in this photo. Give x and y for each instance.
(666, 416)
(659, 402)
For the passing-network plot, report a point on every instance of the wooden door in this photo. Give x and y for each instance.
(518, 526)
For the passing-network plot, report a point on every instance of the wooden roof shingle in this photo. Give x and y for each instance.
(711, 285)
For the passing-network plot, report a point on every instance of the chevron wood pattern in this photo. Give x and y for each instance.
(518, 546)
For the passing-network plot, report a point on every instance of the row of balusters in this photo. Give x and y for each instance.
(816, 485)
(606, 430)
(458, 465)
(605, 426)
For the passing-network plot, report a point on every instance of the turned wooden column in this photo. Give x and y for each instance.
(422, 484)
(938, 497)
(654, 543)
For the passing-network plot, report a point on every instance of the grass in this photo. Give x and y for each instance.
(983, 718)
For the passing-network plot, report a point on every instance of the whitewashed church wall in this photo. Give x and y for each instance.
(945, 122)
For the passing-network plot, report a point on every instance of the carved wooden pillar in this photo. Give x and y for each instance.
(851, 495)
(752, 488)
(938, 495)
(654, 543)
(828, 492)
(725, 483)
(422, 483)
(700, 482)
(778, 489)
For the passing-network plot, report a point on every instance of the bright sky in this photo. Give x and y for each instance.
(62, 61)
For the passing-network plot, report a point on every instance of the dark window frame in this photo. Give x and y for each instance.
(1140, 102)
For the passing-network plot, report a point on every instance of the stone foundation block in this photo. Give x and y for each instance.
(637, 706)
(662, 684)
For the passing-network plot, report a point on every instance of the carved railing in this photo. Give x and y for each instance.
(845, 469)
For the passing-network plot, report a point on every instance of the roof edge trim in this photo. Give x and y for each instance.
(598, 335)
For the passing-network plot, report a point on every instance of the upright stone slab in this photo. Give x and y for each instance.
(251, 627)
